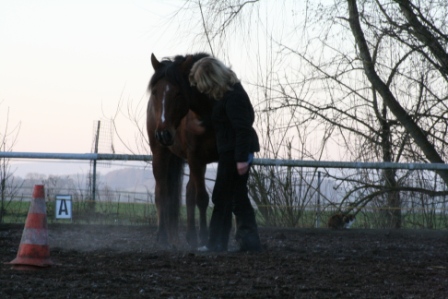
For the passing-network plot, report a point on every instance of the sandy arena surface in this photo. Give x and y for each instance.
(96, 261)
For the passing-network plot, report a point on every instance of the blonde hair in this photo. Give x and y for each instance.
(212, 77)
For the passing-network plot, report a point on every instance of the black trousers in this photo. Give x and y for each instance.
(230, 195)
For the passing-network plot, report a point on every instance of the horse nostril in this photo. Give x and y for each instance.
(164, 137)
(167, 138)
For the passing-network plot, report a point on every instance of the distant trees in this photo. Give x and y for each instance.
(8, 187)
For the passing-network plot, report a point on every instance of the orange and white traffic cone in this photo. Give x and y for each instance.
(34, 252)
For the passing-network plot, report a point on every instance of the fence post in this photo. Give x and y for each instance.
(97, 137)
(318, 201)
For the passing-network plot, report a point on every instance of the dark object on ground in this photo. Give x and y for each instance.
(340, 221)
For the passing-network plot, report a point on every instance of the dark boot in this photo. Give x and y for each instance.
(220, 226)
(247, 236)
(246, 226)
(226, 228)
(248, 240)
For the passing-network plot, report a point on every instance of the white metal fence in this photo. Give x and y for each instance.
(314, 186)
(262, 161)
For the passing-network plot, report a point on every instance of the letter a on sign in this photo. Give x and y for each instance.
(63, 207)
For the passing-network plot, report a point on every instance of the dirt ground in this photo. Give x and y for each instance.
(125, 262)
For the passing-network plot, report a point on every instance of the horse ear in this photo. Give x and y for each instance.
(187, 64)
(155, 63)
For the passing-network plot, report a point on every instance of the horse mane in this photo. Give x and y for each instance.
(170, 70)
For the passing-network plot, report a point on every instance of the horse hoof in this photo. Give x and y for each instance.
(192, 240)
(203, 249)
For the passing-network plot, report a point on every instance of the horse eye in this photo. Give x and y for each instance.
(154, 92)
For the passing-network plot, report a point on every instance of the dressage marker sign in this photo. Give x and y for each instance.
(63, 209)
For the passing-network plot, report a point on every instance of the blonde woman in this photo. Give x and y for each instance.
(237, 141)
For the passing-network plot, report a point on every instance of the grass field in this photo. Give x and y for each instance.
(144, 213)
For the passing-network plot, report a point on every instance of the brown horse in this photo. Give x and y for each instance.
(179, 129)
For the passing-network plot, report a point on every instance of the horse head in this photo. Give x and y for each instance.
(171, 96)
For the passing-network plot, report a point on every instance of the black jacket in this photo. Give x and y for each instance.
(232, 118)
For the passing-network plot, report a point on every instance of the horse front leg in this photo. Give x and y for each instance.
(162, 230)
(168, 208)
(168, 174)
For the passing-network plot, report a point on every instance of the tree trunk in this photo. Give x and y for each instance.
(393, 209)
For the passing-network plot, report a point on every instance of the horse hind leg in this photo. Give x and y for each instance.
(197, 196)
(202, 203)
(190, 201)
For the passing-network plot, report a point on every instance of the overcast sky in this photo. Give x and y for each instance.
(64, 65)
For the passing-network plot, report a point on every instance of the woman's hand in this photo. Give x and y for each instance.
(242, 167)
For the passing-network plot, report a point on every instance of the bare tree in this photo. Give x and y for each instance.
(370, 79)
(404, 117)
(420, 39)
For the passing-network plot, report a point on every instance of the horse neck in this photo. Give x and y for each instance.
(201, 104)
